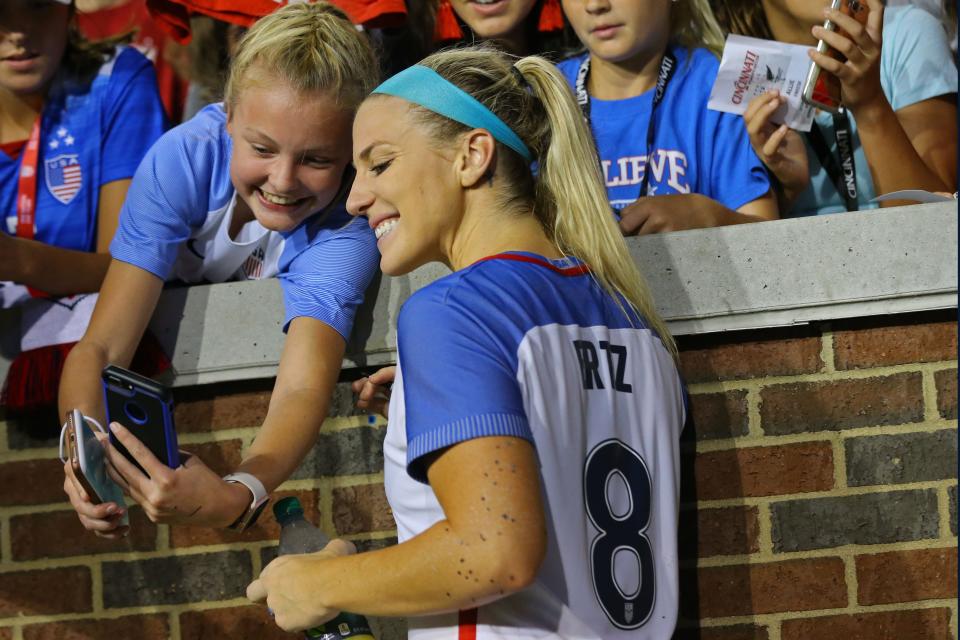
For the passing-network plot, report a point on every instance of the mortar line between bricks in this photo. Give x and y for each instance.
(255, 564)
(943, 510)
(383, 534)
(96, 587)
(742, 501)
(4, 442)
(86, 561)
(31, 509)
(930, 410)
(843, 374)
(780, 617)
(6, 544)
(163, 537)
(334, 481)
(827, 355)
(325, 506)
(850, 577)
(121, 612)
(953, 621)
(17, 633)
(330, 425)
(219, 435)
(846, 551)
(765, 532)
(343, 423)
(907, 428)
(174, 619)
(839, 462)
(774, 630)
(754, 428)
(338, 482)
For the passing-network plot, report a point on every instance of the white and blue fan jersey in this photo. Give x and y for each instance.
(519, 345)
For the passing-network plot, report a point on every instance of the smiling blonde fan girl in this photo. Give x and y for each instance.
(246, 190)
(531, 457)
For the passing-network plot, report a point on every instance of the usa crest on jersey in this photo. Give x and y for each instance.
(64, 176)
(63, 173)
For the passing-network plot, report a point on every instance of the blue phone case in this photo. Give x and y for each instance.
(145, 408)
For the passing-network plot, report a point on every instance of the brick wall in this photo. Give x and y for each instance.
(820, 501)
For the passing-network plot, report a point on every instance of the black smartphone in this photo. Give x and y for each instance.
(145, 408)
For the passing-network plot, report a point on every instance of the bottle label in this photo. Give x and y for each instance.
(345, 625)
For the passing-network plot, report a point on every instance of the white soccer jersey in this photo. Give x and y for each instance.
(522, 346)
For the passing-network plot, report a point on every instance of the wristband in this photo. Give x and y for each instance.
(259, 501)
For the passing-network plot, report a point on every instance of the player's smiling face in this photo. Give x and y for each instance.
(618, 30)
(33, 38)
(289, 152)
(405, 186)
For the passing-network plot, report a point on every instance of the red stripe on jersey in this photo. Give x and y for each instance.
(577, 270)
(467, 625)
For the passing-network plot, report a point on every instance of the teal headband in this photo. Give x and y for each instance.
(427, 88)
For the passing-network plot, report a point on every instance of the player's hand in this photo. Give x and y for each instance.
(373, 392)
(860, 75)
(104, 519)
(779, 147)
(673, 212)
(188, 494)
(288, 587)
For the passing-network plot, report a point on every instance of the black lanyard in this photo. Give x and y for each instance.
(667, 66)
(842, 171)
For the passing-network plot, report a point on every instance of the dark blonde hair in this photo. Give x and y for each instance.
(567, 195)
(82, 58)
(693, 25)
(313, 47)
(743, 17)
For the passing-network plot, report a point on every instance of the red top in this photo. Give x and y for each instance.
(174, 15)
(13, 149)
(150, 39)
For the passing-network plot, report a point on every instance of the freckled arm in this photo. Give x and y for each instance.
(491, 543)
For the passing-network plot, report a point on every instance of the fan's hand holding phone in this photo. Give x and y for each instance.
(93, 493)
(845, 68)
(172, 486)
(145, 408)
(87, 460)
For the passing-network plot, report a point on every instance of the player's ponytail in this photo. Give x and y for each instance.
(565, 186)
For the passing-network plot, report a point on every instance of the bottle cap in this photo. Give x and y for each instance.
(287, 507)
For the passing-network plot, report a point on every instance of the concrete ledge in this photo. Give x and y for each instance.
(727, 279)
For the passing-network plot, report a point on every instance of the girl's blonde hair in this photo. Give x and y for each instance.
(693, 24)
(313, 47)
(568, 196)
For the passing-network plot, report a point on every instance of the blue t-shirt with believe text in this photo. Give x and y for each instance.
(696, 150)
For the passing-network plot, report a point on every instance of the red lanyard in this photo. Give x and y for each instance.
(27, 184)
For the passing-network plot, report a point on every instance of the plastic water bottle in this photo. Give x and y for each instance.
(299, 536)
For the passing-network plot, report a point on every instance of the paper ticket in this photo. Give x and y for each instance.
(750, 67)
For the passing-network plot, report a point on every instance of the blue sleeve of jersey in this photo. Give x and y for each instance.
(133, 116)
(916, 63)
(736, 175)
(167, 198)
(459, 381)
(325, 270)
